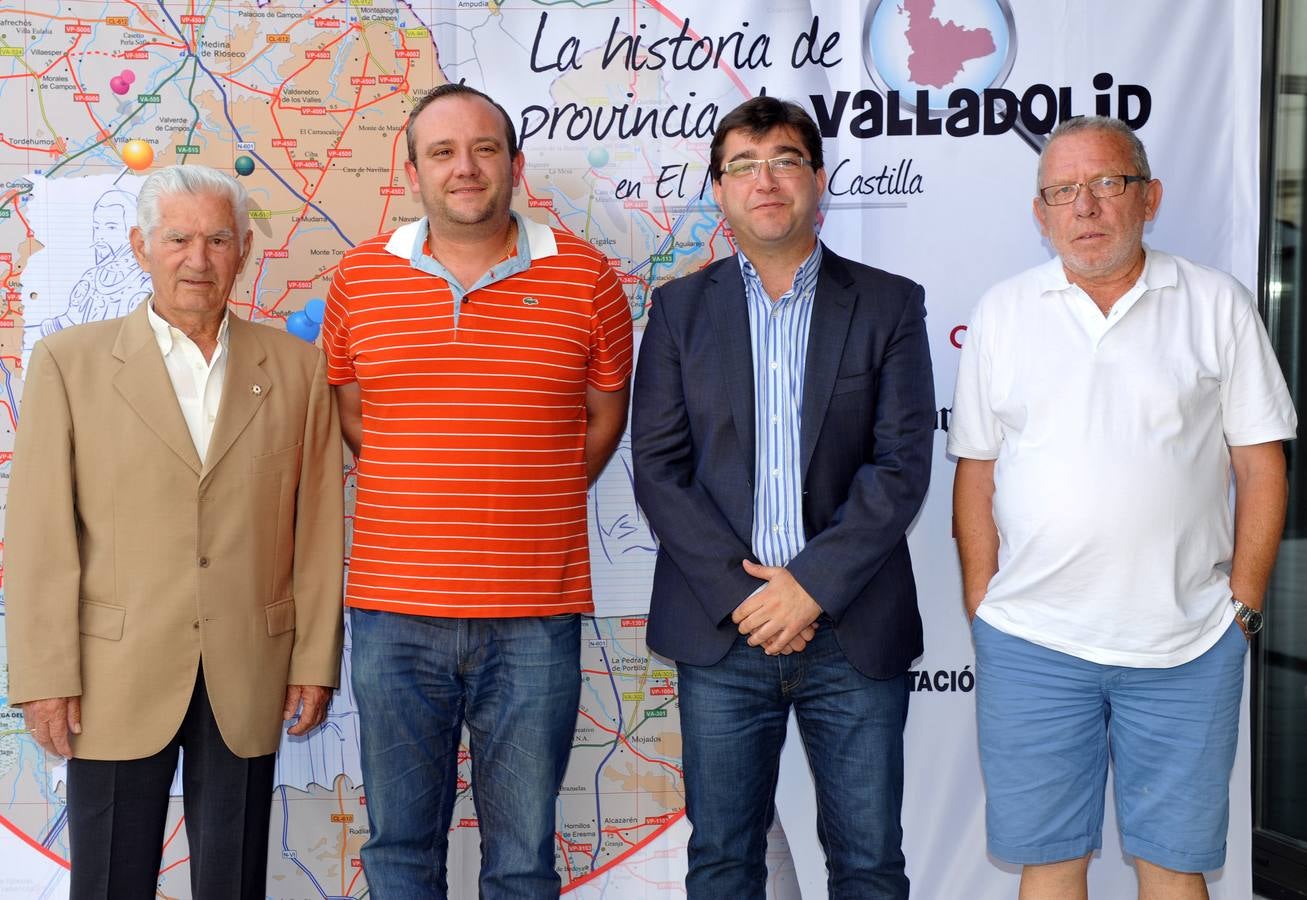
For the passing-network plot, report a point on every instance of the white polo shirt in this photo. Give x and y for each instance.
(1111, 438)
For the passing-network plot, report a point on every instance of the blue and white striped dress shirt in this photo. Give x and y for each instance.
(779, 333)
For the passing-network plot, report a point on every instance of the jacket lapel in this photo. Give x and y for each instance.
(832, 311)
(244, 388)
(730, 317)
(144, 383)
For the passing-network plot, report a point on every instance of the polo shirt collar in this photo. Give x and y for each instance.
(1160, 271)
(538, 239)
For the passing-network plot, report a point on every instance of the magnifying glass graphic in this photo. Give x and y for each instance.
(917, 45)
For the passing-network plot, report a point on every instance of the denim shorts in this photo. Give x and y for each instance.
(1049, 722)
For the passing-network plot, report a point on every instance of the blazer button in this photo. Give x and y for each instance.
(196, 624)
(204, 562)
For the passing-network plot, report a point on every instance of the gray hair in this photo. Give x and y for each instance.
(173, 180)
(1138, 155)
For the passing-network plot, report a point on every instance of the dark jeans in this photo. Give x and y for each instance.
(733, 723)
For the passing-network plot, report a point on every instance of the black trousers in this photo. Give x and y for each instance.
(117, 811)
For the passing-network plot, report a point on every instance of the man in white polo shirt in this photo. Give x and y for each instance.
(1103, 401)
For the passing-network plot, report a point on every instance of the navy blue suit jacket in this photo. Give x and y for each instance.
(866, 441)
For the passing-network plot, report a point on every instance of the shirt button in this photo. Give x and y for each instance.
(204, 562)
(776, 472)
(776, 529)
(776, 420)
(775, 364)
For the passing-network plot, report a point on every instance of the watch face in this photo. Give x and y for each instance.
(1252, 620)
(1249, 618)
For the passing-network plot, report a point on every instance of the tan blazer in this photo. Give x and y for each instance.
(127, 562)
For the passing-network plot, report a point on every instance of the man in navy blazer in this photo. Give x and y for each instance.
(782, 435)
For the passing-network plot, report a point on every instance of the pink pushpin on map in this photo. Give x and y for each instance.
(122, 82)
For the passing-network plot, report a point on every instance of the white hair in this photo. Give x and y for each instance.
(173, 180)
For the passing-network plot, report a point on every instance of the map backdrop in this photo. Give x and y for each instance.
(931, 110)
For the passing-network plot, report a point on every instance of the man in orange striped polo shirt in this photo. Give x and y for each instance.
(481, 362)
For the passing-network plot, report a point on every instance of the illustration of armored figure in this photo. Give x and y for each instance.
(115, 283)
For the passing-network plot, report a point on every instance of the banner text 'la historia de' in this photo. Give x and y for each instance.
(861, 112)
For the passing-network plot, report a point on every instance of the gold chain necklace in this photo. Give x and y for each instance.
(511, 244)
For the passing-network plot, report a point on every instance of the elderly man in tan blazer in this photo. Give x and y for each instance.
(173, 554)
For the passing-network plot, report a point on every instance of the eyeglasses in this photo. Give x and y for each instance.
(1102, 187)
(780, 167)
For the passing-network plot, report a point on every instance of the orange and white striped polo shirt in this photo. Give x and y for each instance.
(471, 483)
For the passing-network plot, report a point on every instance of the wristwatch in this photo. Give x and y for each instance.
(1248, 618)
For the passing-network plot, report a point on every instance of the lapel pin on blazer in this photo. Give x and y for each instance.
(256, 389)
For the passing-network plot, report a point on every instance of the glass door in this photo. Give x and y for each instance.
(1279, 686)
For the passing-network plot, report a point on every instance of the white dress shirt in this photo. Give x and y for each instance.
(197, 383)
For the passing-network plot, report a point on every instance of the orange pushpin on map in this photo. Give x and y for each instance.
(137, 155)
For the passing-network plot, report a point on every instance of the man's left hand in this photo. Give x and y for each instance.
(311, 700)
(778, 613)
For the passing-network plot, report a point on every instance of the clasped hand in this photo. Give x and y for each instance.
(781, 617)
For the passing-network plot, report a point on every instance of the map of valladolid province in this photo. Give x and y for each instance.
(304, 100)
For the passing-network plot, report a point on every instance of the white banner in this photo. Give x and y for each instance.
(931, 109)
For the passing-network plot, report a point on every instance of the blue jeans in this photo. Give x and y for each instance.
(516, 684)
(733, 722)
